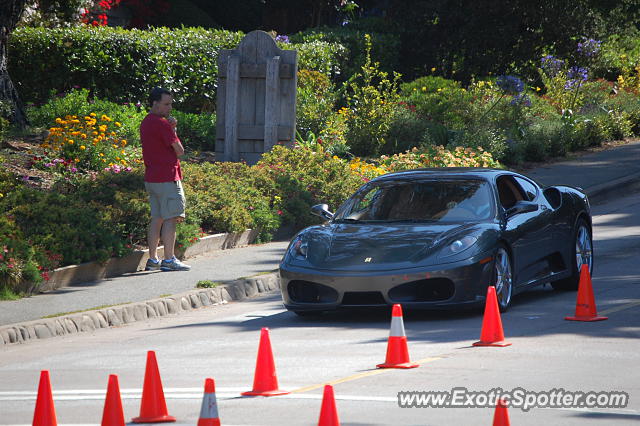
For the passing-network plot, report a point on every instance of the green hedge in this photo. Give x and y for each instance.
(122, 65)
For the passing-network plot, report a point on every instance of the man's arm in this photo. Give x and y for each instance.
(178, 148)
(177, 145)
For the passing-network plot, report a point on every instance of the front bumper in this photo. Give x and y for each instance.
(435, 287)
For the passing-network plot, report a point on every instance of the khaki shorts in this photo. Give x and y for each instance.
(166, 199)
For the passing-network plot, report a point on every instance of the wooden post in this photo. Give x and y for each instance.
(271, 104)
(231, 109)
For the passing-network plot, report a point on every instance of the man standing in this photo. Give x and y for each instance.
(161, 148)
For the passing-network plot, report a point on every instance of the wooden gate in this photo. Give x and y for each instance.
(256, 98)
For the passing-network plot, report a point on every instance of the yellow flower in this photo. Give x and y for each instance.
(118, 124)
(424, 89)
(538, 89)
(77, 160)
(93, 114)
(70, 141)
(122, 152)
(102, 128)
(101, 155)
(433, 69)
(105, 118)
(82, 147)
(1, 195)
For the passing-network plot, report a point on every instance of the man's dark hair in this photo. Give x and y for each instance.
(156, 94)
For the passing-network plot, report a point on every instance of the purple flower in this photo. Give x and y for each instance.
(73, 170)
(283, 39)
(510, 84)
(48, 164)
(551, 65)
(589, 47)
(575, 77)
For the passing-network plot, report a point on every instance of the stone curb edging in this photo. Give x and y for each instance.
(135, 261)
(132, 312)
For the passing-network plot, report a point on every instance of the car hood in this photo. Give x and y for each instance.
(375, 247)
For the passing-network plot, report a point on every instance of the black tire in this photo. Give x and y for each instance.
(503, 277)
(582, 254)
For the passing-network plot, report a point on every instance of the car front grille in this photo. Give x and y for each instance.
(363, 298)
(429, 290)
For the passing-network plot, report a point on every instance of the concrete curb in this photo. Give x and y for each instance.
(604, 191)
(119, 315)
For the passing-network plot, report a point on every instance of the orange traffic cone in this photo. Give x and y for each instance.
(209, 408)
(265, 382)
(153, 408)
(397, 351)
(112, 414)
(45, 412)
(491, 334)
(501, 415)
(328, 412)
(585, 303)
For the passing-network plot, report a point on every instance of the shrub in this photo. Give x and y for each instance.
(438, 156)
(371, 101)
(314, 102)
(197, 131)
(225, 197)
(122, 65)
(437, 99)
(406, 130)
(79, 102)
(303, 178)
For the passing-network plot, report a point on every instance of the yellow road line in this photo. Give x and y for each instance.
(361, 375)
(620, 308)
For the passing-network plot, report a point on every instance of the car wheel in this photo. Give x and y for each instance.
(582, 255)
(503, 278)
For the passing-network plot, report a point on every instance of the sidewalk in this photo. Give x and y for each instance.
(600, 174)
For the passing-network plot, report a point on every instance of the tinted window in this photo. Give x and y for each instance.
(425, 200)
(528, 188)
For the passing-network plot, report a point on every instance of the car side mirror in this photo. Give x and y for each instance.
(522, 207)
(322, 210)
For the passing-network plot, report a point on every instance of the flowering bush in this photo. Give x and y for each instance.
(438, 156)
(91, 142)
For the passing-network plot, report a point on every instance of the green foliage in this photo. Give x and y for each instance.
(302, 178)
(78, 102)
(196, 131)
(315, 100)
(123, 65)
(207, 284)
(371, 101)
(352, 56)
(224, 197)
(437, 99)
(407, 130)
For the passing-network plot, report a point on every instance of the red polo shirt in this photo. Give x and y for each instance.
(160, 160)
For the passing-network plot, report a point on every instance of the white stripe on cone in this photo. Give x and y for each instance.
(397, 327)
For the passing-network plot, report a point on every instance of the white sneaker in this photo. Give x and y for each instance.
(173, 264)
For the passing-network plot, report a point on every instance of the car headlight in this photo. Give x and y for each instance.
(300, 248)
(459, 245)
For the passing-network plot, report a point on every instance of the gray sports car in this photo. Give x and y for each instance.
(436, 238)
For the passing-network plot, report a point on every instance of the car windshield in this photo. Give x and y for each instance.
(419, 201)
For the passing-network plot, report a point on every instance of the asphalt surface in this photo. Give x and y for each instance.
(603, 174)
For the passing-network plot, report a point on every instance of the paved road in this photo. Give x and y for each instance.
(221, 342)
